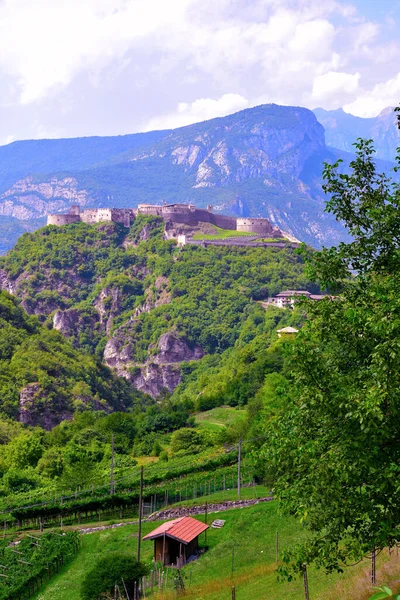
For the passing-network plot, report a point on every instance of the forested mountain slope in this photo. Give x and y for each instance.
(43, 379)
(140, 303)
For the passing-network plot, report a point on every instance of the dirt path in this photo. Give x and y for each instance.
(185, 511)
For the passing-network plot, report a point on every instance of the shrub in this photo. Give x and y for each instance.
(110, 570)
(187, 441)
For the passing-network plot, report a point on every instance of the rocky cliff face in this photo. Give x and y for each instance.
(30, 198)
(161, 371)
(266, 142)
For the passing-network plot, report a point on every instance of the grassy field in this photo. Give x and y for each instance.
(251, 532)
(219, 417)
(221, 234)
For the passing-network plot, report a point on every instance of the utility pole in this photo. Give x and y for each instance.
(112, 489)
(239, 465)
(140, 513)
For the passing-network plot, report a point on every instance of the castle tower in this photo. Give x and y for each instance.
(74, 209)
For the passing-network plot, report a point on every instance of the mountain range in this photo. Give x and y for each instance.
(263, 162)
(342, 129)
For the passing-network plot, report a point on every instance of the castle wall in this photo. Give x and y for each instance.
(60, 220)
(149, 209)
(122, 215)
(223, 222)
(261, 226)
(203, 215)
(176, 213)
(89, 215)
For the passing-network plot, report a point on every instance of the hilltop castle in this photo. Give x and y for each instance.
(175, 213)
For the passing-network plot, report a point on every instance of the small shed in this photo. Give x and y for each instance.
(177, 540)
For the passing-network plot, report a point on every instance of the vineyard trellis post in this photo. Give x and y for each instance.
(305, 580)
(373, 567)
(112, 467)
(140, 512)
(239, 465)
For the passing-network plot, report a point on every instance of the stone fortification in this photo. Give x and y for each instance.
(176, 213)
(93, 215)
(261, 226)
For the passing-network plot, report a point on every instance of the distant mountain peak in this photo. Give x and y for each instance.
(386, 111)
(342, 129)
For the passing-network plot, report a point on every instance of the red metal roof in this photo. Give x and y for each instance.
(184, 529)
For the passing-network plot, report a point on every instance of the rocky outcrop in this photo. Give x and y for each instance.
(153, 378)
(35, 410)
(71, 322)
(161, 371)
(175, 349)
(108, 304)
(6, 284)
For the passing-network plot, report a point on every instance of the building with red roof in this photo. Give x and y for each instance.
(177, 540)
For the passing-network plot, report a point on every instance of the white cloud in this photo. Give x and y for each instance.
(333, 86)
(96, 66)
(370, 104)
(199, 110)
(57, 39)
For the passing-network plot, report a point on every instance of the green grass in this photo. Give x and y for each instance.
(219, 417)
(252, 532)
(221, 234)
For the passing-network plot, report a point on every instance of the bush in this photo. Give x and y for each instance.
(187, 441)
(110, 570)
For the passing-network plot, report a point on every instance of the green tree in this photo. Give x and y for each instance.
(334, 450)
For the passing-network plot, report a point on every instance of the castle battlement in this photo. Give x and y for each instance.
(175, 213)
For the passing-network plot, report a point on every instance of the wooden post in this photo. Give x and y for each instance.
(163, 551)
(239, 465)
(126, 591)
(373, 567)
(233, 593)
(305, 579)
(140, 513)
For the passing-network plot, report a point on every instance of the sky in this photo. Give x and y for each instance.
(73, 68)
